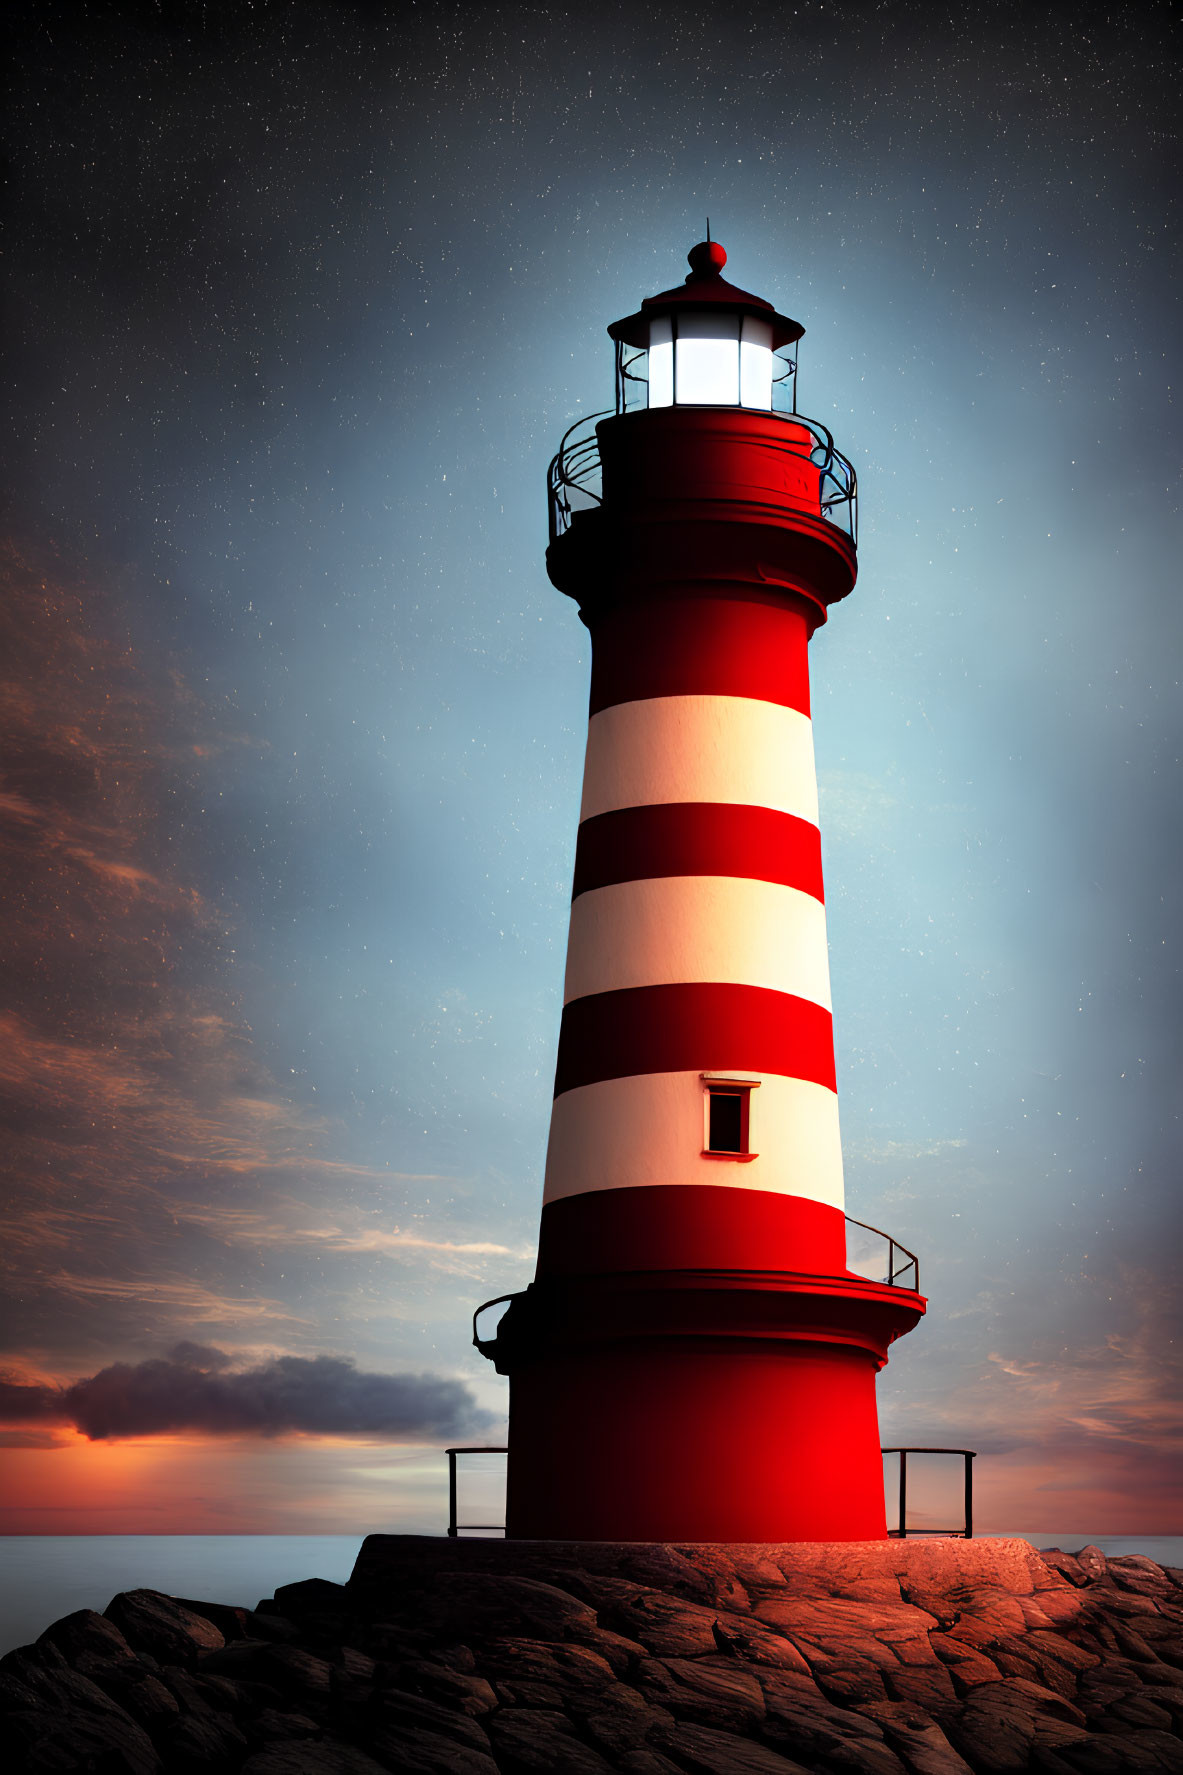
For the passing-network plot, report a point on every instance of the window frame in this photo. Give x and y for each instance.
(720, 1084)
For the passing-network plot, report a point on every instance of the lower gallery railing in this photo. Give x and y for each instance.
(900, 1532)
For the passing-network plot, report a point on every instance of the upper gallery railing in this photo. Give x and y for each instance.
(573, 480)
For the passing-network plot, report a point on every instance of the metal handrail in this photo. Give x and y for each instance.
(895, 1270)
(455, 1527)
(477, 1340)
(574, 473)
(911, 1261)
(966, 1532)
(572, 465)
(899, 1533)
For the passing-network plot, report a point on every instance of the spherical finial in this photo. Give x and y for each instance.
(707, 259)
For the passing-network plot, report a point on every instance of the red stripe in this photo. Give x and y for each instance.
(690, 1227)
(698, 838)
(691, 1026)
(701, 647)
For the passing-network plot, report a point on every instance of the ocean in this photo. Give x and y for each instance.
(43, 1577)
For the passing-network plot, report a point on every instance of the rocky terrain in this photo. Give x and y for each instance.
(474, 1657)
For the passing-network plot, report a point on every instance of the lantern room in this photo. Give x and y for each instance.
(706, 344)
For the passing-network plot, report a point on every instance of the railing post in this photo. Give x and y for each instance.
(452, 1530)
(969, 1496)
(903, 1494)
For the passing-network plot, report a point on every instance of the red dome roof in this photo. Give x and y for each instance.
(704, 288)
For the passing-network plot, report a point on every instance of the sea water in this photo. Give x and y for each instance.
(43, 1577)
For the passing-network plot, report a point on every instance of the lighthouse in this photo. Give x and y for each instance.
(695, 1360)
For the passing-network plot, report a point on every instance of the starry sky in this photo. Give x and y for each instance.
(300, 300)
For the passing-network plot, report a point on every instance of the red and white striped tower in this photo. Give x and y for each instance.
(695, 1360)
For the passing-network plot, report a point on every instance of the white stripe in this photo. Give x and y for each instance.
(698, 927)
(649, 1130)
(700, 748)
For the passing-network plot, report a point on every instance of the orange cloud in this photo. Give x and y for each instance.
(1077, 1437)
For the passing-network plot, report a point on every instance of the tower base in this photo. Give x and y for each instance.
(698, 1405)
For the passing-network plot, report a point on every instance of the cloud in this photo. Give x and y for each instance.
(902, 1152)
(199, 1388)
(29, 1404)
(1084, 1432)
(176, 1297)
(248, 1226)
(138, 1115)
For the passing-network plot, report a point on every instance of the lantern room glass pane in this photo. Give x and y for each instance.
(755, 364)
(661, 363)
(706, 367)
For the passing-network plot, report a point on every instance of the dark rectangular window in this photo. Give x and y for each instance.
(727, 1119)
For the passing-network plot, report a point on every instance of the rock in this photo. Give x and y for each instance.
(469, 1694)
(617, 1719)
(967, 1667)
(1092, 1563)
(1133, 1644)
(479, 1605)
(892, 1622)
(1060, 1608)
(59, 1686)
(1138, 1753)
(860, 1686)
(1121, 1605)
(201, 1694)
(28, 1659)
(312, 1596)
(325, 1758)
(200, 1742)
(705, 1751)
(698, 1574)
(245, 1660)
(15, 1696)
(228, 1618)
(621, 1653)
(529, 1739)
(1046, 1703)
(152, 1622)
(292, 1671)
(1134, 1710)
(356, 1666)
(487, 1658)
(930, 1688)
(566, 1668)
(664, 1625)
(391, 1712)
(1066, 1564)
(270, 1627)
(646, 1762)
(1133, 1571)
(135, 1688)
(920, 1741)
(714, 1691)
(66, 1737)
(803, 1725)
(425, 1753)
(996, 1728)
(85, 1633)
(270, 1725)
